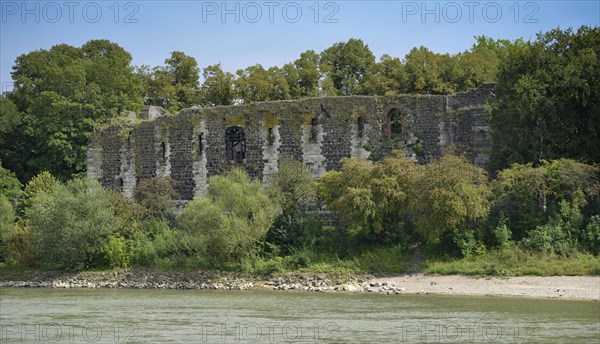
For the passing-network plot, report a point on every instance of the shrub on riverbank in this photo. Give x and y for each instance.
(231, 220)
(389, 217)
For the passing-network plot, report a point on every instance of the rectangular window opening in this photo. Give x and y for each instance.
(270, 137)
(361, 126)
(313, 129)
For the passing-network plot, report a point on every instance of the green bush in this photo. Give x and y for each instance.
(227, 224)
(591, 235)
(70, 224)
(502, 234)
(294, 228)
(154, 243)
(451, 195)
(529, 196)
(143, 252)
(156, 195)
(264, 266)
(465, 241)
(116, 252)
(7, 223)
(42, 182)
(10, 187)
(371, 199)
(559, 235)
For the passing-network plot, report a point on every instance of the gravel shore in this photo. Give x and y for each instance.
(564, 287)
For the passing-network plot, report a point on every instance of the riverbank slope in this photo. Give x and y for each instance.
(565, 287)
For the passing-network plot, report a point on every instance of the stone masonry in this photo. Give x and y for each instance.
(198, 143)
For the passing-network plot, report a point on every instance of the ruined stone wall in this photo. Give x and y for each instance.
(192, 145)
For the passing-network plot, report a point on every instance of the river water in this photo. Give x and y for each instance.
(159, 316)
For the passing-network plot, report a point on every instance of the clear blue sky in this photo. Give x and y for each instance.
(243, 33)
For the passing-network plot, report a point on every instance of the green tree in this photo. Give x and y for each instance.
(173, 86)
(279, 83)
(156, 195)
(480, 64)
(520, 193)
(529, 196)
(12, 146)
(307, 67)
(547, 99)
(71, 223)
(371, 199)
(10, 187)
(185, 72)
(43, 182)
(227, 223)
(292, 78)
(347, 64)
(430, 73)
(159, 88)
(387, 77)
(252, 84)
(62, 93)
(451, 196)
(294, 188)
(7, 223)
(110, 80)
(256, 84)
(217, 88)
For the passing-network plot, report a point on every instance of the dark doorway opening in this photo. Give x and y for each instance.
(395, 123)
(361, 126)
(235, 142)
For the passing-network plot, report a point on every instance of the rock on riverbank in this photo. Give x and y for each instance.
(566, 287)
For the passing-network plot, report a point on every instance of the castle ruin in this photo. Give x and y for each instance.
(197, 143)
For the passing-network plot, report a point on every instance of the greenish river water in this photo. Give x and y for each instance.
(158, 316)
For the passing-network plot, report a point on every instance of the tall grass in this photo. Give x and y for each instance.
(515, 261)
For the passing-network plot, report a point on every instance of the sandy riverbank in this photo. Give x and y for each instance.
(563, 287)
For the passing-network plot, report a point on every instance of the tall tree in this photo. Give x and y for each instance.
(428, 72)
(61, 94)
(347, 64)
(257, 84)
(480, 63)
(372, 199)
(159, 88)
(387, 77)
(185, 72)
(252, 84)
(547, 102)
(308, 73)
(217, 88)
(174, 86)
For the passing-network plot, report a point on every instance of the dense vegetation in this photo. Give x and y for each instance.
(536, 211)
(393, 216)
